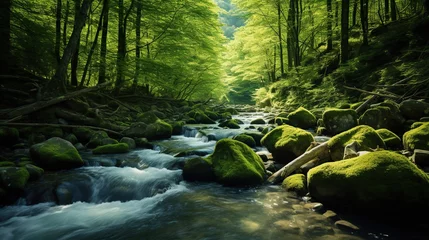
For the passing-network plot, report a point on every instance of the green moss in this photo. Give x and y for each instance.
(34, 171)
(362, 183)
(416, 125)
(339, 120)
(147, 117)
(344, 106)
(143, 143)
(392, 141)
(280, 120)
(129, 141)
(111, 149)
(200, 117)
(413, 109)
(177, 127)
(232, 111)
(302, 118)
(231, 123)
(7, 164)
(198, 169)
(158, 130)
(258, 121)
(191, 121)
(83, 134)
(365, 136)
(56, 153)
(417, 138)
(236, 164)
(212, 115)
(8, 136)
(355, 106)
(71, 138)
(287, 142)
(296, 183)
(246, 139)
(14, 177)
(97, 139)
(283, 115)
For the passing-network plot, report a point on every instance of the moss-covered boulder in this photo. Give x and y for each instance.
(34, 171)
(235, 164)
(158, 130)
(111, 149)
(136, 130)
(198, 169)
(232, 111)
(129, 141)
(83, 134)
(231, 123)
(200, 117)
(7, 164)
(417, 138)
(302, 118)
(384, 115)
(177, 127)
(147, 117)
(143, 143)
(365, 136)
(246, 139)
(71, 138)
(287, 142)
(14, 178)
(413, 109)
(296, 183)
(212, 115)
(392, 141)
(281, 121)
(97, 139)
(258, 121)
(380, 182)
(8, 136)
(339, 120)
(55, 154)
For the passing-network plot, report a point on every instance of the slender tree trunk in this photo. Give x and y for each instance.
(58, 31)
(393, 10)
(138, 43)
(298, 14)
(354, 16)
(75, 59)
(5, 45)
(273, 72)
(364, 20)
(103, 48)
(282, 68)
(337, 19)
(386, 10)
(61, 71)
(426, 6)
(121, 48)
(66, 19)
(329, 24)
(345, 30)
(94, 45)
(289, 40)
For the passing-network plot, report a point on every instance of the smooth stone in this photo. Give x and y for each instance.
(287, 226)
(346, 226)
(317, 207)
(421, 158)
(331, 215)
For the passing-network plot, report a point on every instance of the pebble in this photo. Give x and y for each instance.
(331, 215)
(317, 207)
(345, 225)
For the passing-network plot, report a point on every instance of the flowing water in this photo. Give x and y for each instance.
(141, 195)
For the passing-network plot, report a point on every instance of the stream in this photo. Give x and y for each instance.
(146, 198)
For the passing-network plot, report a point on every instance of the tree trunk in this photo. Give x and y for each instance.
(5, 45)
(61, 71)
(364, 20)
(386, 10)
(393, 10)
(337, 6)
(138, 43)
(273, 72)
(75, 59)
(345, 30)
(282, 68)
(354, 16)
(426, 5)
(103, 48)
(58, 31)
(120, 59)
(94, 45)
(289, 42)
(329, 24)
(66, 19)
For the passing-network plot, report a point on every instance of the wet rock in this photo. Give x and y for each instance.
(315, 206)
(55, 154)
(331, 215)
(421, 158)
(417, 138)
(296, 183)
(143, 143)
(287, 226)
(265, 155)
(129, 141)
(232, 123)
(318, 229)
(302, 118)
(392, 141)
(201, 117)
(34, 171)
(258, 121)
(83, 134)
(413, 109)
(198, 169)
(13, 178)
(96, 139)
(270, 166)
(111, 149)
(158, 130)
(338, 120)
(246, 139)
(287, 142)
(346, 226)
(71, 138)
(79, 147)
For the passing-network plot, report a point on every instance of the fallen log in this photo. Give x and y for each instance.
(57, 125)
(306, 157)
(24, 110)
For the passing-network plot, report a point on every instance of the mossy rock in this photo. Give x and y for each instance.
(287, 142)
(97, 139)
(236, 164)
(191, 121)
(384, 115)
(417, 138)
(302, 118)
(34, 171)
(380, 182)
(136, 130)
(281, 120)
(14, 178)
(111, 149)
(232, 111)
(8, 136)
(83, 134)
(321, 131)
(296, 183)
(365, 136)
(108, 141)
(198, 169)
(50, 132)
(282, 115)
(232, 123)
(200, 117)
(413, 109)
(143, 143)
(158, 130)
(7, 164)
(226, 115)
(392, 141)
(258, 121)
(246, 139)
(147, 117)
(212, 115)
(55, 154)
(129, 141)
(339, 120)
(256, 136)
(71, 138)
(177, 127)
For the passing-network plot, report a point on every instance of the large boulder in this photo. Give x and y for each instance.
(83, 134)
(8, 136)
(56, 154)
(380, 182)
(417, 138)
(392, 141)
(339, 120)
(137, 130)
(235, 164)
(296, 183)
(97, 139)
(365, 136)
(198, 169)
(246, 139)
(413, 109)
(231, 123)
(287, 142)
(200, 117)
(158, 130)
(14, 178)
(383, 115)
(302, 118)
